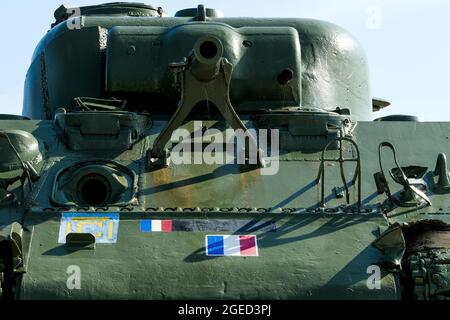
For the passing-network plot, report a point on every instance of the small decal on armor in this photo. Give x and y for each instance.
(226, 245)
(104, 227)
(210, 226)
(156, 226)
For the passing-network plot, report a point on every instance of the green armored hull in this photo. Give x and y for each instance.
(98, 202)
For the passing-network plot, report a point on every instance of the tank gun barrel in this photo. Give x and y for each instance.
(207, 54)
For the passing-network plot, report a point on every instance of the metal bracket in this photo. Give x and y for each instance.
(341, 160)
(118, 129)
(411, 185)
(77, 241)
(392, 243)
(197, 76)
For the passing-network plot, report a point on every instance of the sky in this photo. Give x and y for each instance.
(407, 43)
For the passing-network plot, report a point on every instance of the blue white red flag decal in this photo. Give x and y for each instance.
(156, 226)
(231, 245)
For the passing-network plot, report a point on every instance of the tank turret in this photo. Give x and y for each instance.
(129, 60)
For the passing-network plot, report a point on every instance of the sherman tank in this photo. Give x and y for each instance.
(207, 157)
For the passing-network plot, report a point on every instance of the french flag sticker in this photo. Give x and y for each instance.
(156, 226)
(241, 246)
